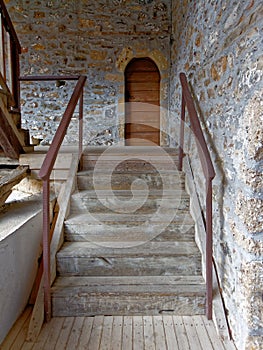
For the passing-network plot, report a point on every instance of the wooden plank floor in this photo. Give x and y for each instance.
(119, 333)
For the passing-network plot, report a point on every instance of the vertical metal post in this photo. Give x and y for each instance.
(3, 53)
(209, 250)
(15, 73)
(2, 49)
(181, 146)
(80, 126)
(46, 250)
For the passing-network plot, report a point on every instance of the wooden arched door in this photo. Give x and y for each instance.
(142, 103)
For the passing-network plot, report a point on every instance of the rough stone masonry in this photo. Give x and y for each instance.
(95, 38)
(218, 43)
(220, 49)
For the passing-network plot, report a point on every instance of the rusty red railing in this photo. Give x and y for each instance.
(10, 50)
(209, 173)
(47, 168)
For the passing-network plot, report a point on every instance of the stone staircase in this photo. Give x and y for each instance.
(129, 240)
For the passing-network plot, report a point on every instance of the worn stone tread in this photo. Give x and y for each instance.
(167, 180)
(101, 202)
(162, 216)
(89, 249)
(128, 150)
(88, 287)
(119, 295)
(151, 295)
(74, 281)
(154, 193)
(127, 234)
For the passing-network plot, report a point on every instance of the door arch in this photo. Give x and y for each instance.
(142, 102)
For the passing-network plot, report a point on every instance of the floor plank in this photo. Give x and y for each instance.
(148, 333)
(203, 336)
(54, 331)
(127, 333)
(191, 333)
(209, 325)
(15, 330)
(171, 340)
(106, 333)
(95, 337)
(27, 346)
(181, 333)
(43, 336)
(166, 332)
(75, 334)
(116, 338)
(85, 334)
(159, 334)
(65, 333)
(20, 339)
(138, 342)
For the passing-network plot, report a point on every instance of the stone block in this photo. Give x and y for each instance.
(251, 279)
(250, 212)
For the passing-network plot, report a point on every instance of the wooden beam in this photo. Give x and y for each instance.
(9, 180)
(8, 138)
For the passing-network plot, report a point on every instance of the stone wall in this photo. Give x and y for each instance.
(218, 44)
(95, 38)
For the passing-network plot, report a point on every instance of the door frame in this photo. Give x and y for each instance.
(162, 63)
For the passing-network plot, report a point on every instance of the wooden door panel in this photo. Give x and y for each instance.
(153, 137)
(142, 65)
(140, 107)
(142, 77)
(143, 117)
(142, 86)
(135, 128)
(142, 97)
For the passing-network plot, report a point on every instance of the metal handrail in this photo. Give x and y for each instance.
(13, 66)
(9, 25)
(15, 51)
(209, 172)
(49, 77)
(45, 173)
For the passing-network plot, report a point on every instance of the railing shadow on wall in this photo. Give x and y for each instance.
(209, 174)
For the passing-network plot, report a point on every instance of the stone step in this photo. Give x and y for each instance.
(132, 295)
(168, 180)
(122, 201)
(135, 150)
(162, 217)
(130, 159)
(150, 258)
(130, 239)
(121, 165)
(116, 233)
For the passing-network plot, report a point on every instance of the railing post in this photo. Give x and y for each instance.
(46, 249)
(81, 127)
(2, 49)
(209, 250)
(181, 146)
(15, 73)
